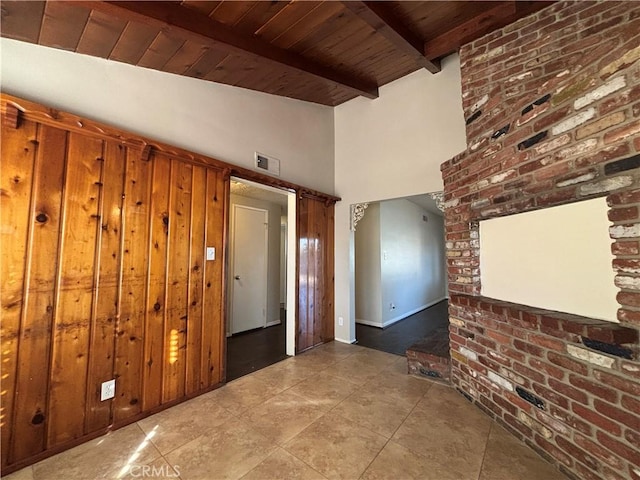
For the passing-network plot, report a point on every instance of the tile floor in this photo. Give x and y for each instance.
(338, 411)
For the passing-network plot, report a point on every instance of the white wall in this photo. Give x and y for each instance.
(368, 281)
(413, 273)
(557, 258)
(399, 267)
(273, 259)
(391, 147)
(224, 122)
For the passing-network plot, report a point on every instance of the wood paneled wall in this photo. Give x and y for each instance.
(103, 275)
(315, 272)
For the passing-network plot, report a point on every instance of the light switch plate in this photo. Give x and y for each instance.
(108, 390)
(211, 253)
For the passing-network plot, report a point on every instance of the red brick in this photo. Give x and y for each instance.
(547, 342)
(629, 316)
(568, 363)
(528, 348)
(546, 368)
(632, 436)
(511, 353)
(528, 372)
(577, 453)
(564, 389)
(630, 403)
(553, 171)
(622, 132)
(622, 198)
(619, 383)
(618, 448)
(552, 450)
(499, 337)
(628, 299)
(553, 117)
(517, 425)
(597, 419)
(570, 420)
(598, 452)
(594, 388)
(625, 248)
(620, 214)
(588, 473)
(617, 414)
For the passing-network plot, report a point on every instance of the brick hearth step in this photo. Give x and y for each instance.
(430, 356)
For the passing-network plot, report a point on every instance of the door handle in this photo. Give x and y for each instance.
(237, 277)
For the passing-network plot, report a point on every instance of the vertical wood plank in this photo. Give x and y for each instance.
(177, 280)
(130, 325)
(101, 354)
(196, 279)
(212, 333)
(18, 155)
(75, 289)
(329, 302)
(154, 345)
(35, 337)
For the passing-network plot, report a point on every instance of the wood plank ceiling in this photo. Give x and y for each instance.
(323, 52)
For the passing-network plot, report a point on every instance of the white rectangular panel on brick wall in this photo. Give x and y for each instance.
(557, 258)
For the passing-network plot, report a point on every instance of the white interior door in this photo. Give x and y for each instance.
(249, 272)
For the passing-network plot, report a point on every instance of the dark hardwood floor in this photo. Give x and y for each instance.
(401, 335)
(255, 349)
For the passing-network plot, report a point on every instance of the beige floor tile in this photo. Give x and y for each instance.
(399, 388)
(282, 465)
(507, 458)
(178, 425)
(399, 366)
(336, 447)
(375, 358)
(447, 430)
(396, 462)
(22, 474)
(373, 411)
(354, 370)
(282, 417)
(105, 457)
(243, 393)
(324, 390)
(229, 452)
(285, 374)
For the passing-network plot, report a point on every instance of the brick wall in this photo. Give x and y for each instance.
(552, 104)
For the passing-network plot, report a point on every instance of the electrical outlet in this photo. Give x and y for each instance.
(108, 390)
(340, 321)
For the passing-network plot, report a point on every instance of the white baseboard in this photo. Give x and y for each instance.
(400, 317)
(342, 340)
(272, 323)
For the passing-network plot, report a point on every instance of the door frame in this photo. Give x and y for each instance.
(232, 258)
(291, 261)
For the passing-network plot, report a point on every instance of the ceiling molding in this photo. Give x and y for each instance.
(194, 25)
(383, 21)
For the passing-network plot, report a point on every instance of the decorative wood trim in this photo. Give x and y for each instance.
(11, 117)
(383, 21)
(194, 25)
(74, 123)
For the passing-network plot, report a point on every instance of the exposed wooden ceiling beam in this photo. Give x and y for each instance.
(486, 22)
(383, 21)
(194, 25)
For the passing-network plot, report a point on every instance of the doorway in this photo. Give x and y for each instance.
(261, 277)
(400, 273)
(249, 268)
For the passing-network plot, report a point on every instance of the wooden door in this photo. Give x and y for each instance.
(315, 322)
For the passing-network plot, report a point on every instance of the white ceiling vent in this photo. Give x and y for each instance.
(269, 164)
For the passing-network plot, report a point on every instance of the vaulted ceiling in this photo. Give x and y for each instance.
(323, 52)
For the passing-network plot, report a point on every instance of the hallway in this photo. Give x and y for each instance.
(337, 411)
